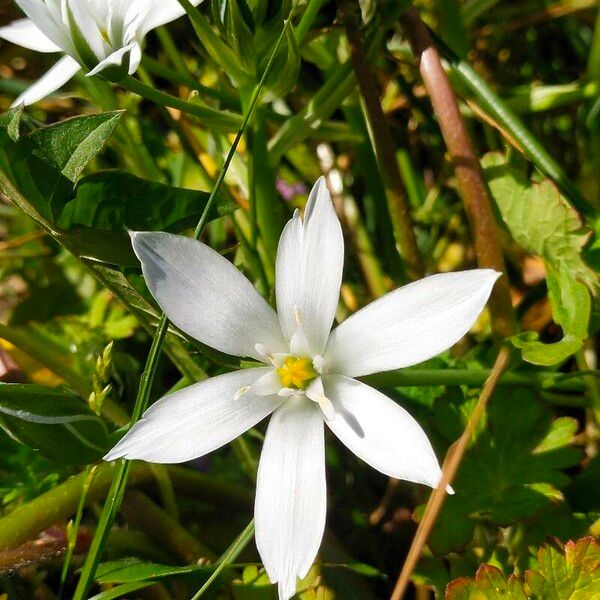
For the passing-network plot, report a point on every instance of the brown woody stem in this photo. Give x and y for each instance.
(453, 459)
(470, 179)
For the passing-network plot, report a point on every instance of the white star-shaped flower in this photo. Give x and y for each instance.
(94, 35)
(309, 374)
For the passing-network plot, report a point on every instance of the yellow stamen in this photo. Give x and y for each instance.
(296, 372)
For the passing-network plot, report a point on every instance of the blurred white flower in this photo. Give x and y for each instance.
(94, 35)
(309, 375)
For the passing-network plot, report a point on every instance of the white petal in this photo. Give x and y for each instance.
(82, 18)
(51, 81)
(163, 12)
(48, 22)
(204, 295)
(411, 324)
(380, 432)
(309, 266)
(267, 385)
(291, 501)
(24, 32)
(117, 58)
(196, 420)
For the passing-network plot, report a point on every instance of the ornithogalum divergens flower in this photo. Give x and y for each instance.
(309, 374)
(94, 34)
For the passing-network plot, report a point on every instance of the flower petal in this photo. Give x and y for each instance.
(48, 20)
(410, 324)
(51, 81)
(309, 266)
(204, 295)
(117, 58)
(196, 420)
(291, 501)
(380, 432)
(163, 12)
(24, 32)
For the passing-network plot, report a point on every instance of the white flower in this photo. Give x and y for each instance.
(94, 35)
(308, 377)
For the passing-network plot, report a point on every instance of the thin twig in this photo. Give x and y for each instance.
(384, 146)
(466, 165)
(451, 464)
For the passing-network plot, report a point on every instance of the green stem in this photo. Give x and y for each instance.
(433, 377)
(73, 528)
(119, 482)
(225, 121)
(228, 557)
(117, 489)
(312, 8)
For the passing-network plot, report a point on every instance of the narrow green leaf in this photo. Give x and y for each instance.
(122, 590)
(129, 570)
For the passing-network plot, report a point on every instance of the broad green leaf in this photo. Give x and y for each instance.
(512, 470)
(539, 218)
(61, 426)
(569, 573)
(45, 164)
(489, 584)
(544, 223)
(93, 224)
(70, 145)
(116, 200)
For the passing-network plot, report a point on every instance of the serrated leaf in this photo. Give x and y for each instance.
(569, 573)
(61, 426)
(512, 470)
(544, 223)
(488, 584)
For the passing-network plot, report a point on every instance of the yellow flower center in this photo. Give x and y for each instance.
(296, 372)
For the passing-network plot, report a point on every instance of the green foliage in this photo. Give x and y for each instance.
(571, 572)
(489, 584)
(544, 223)
(53, 421)
(512, 470)
(75, 313)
